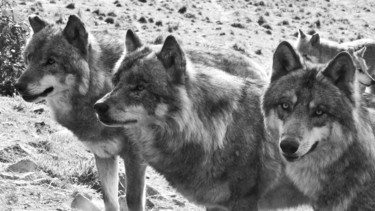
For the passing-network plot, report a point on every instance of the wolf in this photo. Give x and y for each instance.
(367, 59)
(324, 133)
(71, 68)
(198, 126)
(316, 50)
(363, 71)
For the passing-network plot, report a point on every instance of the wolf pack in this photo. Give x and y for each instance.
(223, 132)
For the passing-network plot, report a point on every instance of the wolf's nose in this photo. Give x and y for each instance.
(101, 108)
(20, 87)
(289, 146)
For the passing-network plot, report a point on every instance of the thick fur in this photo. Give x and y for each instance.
(72, 68)
(314, 49)
(199, 127)
(324, 133)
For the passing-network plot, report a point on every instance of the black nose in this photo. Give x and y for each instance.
(289, 146)
(21, 87)
(101, 108)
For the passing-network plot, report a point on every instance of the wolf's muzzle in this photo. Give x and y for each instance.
(289, 147)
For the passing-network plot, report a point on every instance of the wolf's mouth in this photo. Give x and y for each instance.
(30, 98)
(290, 158)
(312, 148)
(114, 123)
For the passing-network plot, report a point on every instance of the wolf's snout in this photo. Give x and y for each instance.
(289, 146)
(101, 108)
(21, 87)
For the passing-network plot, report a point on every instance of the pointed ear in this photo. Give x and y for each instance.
(76, 34)
(361, 52)
(301, 35)
(132, 41)
(171, 55)
(341, 72)
(285, 60)
(315, 39)
(37, 23)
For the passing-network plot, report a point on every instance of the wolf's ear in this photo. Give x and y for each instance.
(172, 55)
(76, 34)
(285, 60)
(361, 52)
(132, 41)
(341, 72)
(315, 39)
(301, 35)
(37, 23)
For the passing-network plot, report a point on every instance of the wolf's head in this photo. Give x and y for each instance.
(146, 81)
(310, 110)
(308, 46)
(56, 59)
(363, 76)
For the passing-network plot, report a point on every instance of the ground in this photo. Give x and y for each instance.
(64, 166)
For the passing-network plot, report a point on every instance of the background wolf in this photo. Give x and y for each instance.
(324, 133)
(202, 129)
(321, 51)
(71, 69)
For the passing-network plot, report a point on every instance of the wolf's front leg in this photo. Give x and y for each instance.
(108, 175)
(135, 169)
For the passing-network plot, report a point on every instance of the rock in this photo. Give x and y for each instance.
(159, 23)
(190, 15)
(238, 25)
(80, 202)
(261, 20)
(109, 20)
(70, 6)
(142, 20)
(267, 26)
(8, 154)
(149, 204)
(17, 176)
(40, 111)
(23, 166)
(182, 10)
(112, 14)
(150, 191)
(179, 203)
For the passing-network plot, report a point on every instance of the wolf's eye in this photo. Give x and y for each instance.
(115, 80)
(285, 106)
(318, 112)
(28, 57)
(139, 88)
(360, 70)
(50, 61)
(306, 57)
